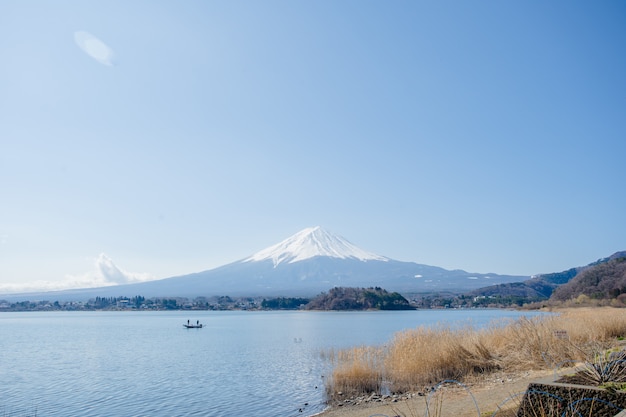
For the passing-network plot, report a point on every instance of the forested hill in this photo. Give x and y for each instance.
(340, 298)
(606, 280)
(574, 280)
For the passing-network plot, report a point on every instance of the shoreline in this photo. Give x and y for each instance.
(516, 353)
(487, 394)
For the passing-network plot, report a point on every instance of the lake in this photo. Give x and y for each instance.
(148, 364)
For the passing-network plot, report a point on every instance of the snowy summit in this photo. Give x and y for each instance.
(312, 242)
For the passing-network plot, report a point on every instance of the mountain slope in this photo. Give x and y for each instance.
(604, 280)
(565, 284)
(309, 262)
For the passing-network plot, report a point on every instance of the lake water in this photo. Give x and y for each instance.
(147, 364)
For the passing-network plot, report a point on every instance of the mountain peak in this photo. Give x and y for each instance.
(311, 242)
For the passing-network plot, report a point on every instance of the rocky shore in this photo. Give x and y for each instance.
(488, 393)
(374, 399)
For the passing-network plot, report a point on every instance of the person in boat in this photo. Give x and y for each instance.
(197, 322)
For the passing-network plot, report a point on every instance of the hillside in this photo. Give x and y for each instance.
(605, 280)
(534, 292)
(537, 288)
(599, 279)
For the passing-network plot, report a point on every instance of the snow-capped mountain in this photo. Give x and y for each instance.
(310, 262)
(312, 242)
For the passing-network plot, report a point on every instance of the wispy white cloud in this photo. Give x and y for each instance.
(104, 274)
(95, 48)
(106, 271)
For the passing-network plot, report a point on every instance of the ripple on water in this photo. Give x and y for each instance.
(144, 364)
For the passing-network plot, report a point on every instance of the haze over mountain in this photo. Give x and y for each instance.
(311, 261)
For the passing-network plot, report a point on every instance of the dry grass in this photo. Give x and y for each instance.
(424, 356)
(357, 370)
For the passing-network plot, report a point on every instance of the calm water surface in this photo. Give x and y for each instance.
(147, 364)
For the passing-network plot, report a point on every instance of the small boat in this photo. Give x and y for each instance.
(193, 326)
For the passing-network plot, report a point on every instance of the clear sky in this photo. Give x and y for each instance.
(147, 139)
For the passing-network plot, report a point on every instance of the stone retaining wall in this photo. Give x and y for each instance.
(559, 399)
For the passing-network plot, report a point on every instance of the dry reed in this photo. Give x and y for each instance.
(421, 357)
(357, 370)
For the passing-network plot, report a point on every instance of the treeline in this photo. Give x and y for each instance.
(106, 302)
(284, 303)
(336, 299)
(137, 302)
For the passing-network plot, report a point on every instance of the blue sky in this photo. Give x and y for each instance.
(485, 136)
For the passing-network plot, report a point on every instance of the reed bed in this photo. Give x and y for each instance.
(421, 357)
(357, 370)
